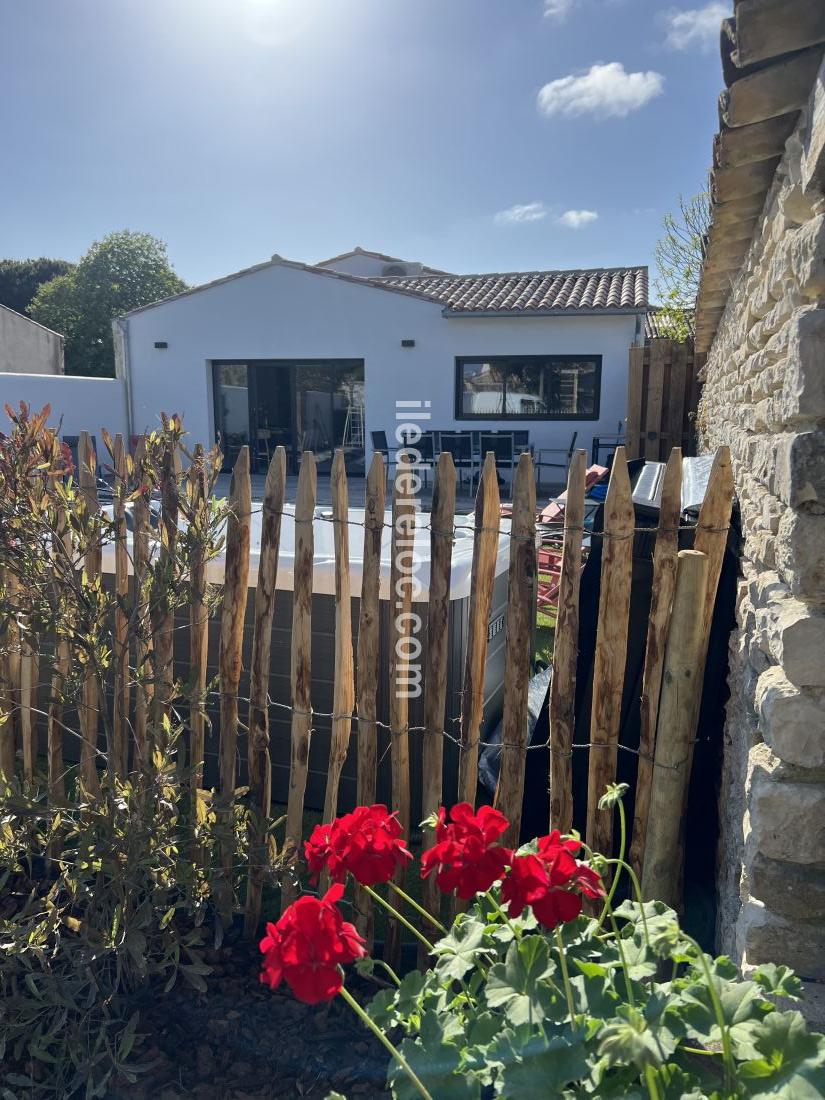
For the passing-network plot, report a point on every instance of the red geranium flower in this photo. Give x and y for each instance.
(308, 946)
(366, 843)
(465, 856)
(528, 883)
(552, 882)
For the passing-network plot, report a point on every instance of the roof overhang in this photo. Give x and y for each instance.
(605, 311)
(771, 53)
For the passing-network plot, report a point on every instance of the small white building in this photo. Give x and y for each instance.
(316, 356)
(27, 347)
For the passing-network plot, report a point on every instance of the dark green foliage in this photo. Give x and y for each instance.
(652, 1016)
(21, 279)
(119, 273)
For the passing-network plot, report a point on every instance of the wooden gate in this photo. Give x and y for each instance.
(662, 396)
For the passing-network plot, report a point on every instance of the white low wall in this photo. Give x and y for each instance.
(76, 403)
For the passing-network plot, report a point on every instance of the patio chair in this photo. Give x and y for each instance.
(501, 444)
(544, 458)
(460, 446)
(380, 444)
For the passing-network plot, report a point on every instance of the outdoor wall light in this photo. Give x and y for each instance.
(161, 344)
(408, 343)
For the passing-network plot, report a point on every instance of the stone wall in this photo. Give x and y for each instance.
(764, 395)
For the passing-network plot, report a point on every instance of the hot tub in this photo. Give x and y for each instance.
(323, 651)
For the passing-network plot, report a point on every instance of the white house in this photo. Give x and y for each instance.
(316, 356)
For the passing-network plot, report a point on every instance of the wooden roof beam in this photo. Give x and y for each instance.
(749, 144)
(730, 184)
(769, 28)
(773, 91)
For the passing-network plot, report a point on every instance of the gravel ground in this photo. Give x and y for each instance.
(241, 1041)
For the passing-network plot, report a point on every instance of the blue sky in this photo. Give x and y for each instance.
(475, 135)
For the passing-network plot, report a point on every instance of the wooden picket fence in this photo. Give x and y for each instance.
(684, 590)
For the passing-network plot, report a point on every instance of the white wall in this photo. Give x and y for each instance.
(26, 347)
(282, 312)
(81, 403)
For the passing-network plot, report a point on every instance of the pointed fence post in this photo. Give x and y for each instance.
(163, 617)
(661, 599)
(566, 650)
(120, 711)
(521, 610)
(235, 588)
(402, 581)
(611, 651)
(442, 538)
(260, 764)
(198, 626)
(90, 706)
(369, 665)
(62, 545)
(681, 684)
(143, 627)
(344, 684)
(485, 548)
(301, 670)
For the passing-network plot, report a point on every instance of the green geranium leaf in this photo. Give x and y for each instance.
(382, 1010)
(593, 991)
(629, 1039)
(437, 1067)
(408, 995)
(777, 980)
(460, 950)
(784, 1038)
(542, 1066)
(517, 985)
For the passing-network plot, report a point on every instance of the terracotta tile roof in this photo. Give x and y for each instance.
(531, 291)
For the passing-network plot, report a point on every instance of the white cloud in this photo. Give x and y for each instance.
(607, 91)
(557, 9)
(526, 212)
(699, 27)
(575, 219)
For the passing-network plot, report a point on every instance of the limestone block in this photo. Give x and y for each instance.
(792, 719)
(803, 391)
(800, 469)
(796, 638)
(807, 258)
(788, 889)
(800, 554)
(764, 936)
(787, 819)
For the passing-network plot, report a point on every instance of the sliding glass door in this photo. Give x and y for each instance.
(315, 405)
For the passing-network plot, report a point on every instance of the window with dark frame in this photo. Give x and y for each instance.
(528, 387)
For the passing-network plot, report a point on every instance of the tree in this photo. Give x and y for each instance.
(123, 271)
(21, 279)
(679, 255)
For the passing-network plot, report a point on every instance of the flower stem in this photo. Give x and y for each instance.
(565, 973)
(727, 1049)
(394, 912)
(504, 916)
(379, 1034)
(418, 908)
(637, 890)
(652, 1083)
(620, 863)
(631, 1000)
